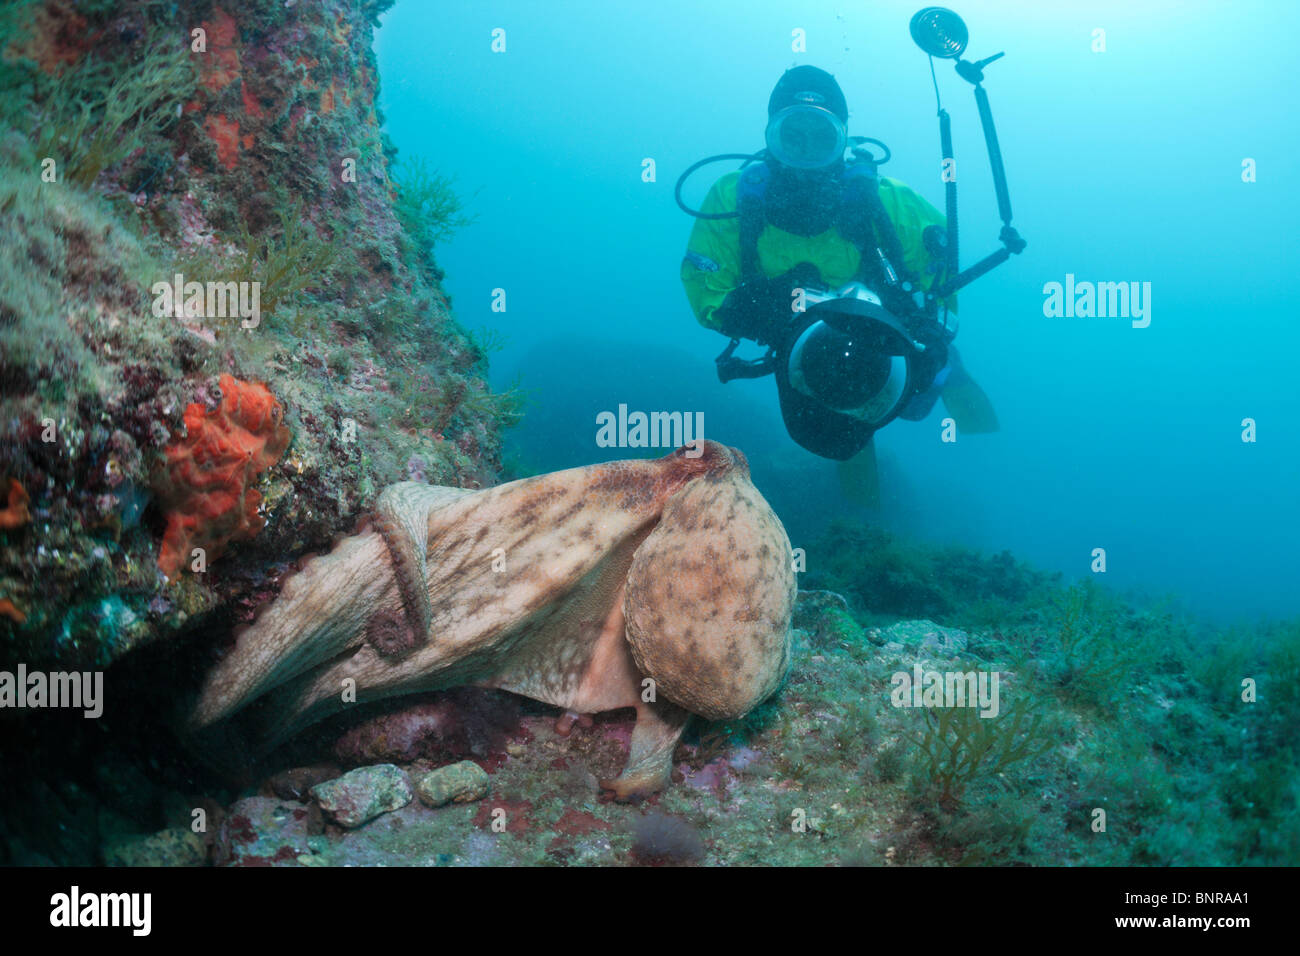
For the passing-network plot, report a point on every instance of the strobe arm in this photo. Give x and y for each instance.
(950, 194)
(1012, 243)
(995, 154)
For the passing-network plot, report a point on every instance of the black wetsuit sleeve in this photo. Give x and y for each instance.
(761, 308)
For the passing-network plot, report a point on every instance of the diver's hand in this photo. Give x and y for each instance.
(761, 308)
(805, 275)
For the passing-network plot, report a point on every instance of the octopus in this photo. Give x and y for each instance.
(664, 585)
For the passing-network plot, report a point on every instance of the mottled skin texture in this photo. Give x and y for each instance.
(571, 588)
(710, 595)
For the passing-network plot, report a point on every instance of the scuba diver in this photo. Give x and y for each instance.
(845, 276)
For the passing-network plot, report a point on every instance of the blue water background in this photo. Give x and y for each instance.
(1123, 165)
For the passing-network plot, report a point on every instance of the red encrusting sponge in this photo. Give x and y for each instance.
(208, 488)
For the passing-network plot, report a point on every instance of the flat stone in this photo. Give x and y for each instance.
(457, 783)
(264, 831)
(934, 639)
(360, 795)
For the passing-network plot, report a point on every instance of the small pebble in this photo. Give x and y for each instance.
(458, 783)
(360, 795)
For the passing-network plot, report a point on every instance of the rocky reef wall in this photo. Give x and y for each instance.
(221, 325)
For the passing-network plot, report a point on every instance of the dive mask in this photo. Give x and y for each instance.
(806, 135)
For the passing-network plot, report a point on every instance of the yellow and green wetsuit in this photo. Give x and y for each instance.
(712, 266)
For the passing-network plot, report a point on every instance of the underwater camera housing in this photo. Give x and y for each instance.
(857, 357)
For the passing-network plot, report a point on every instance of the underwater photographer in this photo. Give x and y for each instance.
(847, 277)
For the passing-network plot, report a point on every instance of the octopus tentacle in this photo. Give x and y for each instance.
(321, 612)
(571, 588)
(402, 518)
(659, 726)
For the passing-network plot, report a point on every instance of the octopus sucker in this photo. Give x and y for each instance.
(592, 589)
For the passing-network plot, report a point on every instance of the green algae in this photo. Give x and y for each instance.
(428, 207)
(959, 746)
(92, 116)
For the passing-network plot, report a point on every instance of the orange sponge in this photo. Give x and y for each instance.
(207, 489)
(14, 514)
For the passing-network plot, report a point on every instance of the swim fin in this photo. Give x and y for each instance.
(860, 479)
(966, 402)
